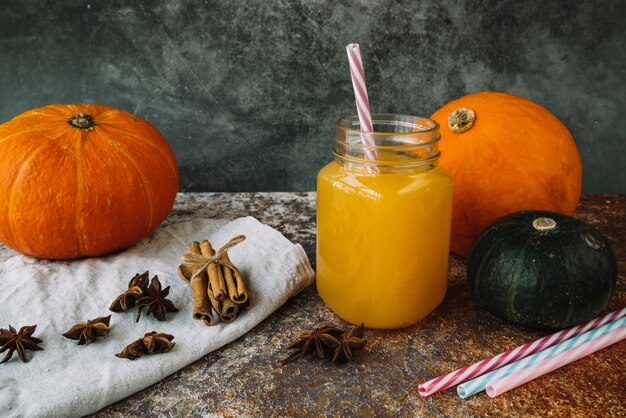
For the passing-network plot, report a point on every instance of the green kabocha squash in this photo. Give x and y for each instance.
(542, 270)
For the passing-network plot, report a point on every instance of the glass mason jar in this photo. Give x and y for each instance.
(383, 222)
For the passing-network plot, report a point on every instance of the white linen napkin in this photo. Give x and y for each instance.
(70, 380)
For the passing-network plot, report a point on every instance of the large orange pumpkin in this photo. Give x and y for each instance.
(506, 154)
(82, 180)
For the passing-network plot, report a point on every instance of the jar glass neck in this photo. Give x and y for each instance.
(399, 142)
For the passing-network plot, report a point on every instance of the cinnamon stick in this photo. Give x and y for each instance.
(229, 309)
(225, 313)
(231, 284)
(241, 288)
(199, 284)
(237, 291)
(216, 281)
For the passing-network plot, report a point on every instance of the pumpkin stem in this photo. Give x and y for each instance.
(544, 224)
(82, 122)
(461, 120)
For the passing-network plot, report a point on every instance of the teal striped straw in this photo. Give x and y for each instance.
(479, 384)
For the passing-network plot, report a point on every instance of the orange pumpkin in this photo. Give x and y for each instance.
(82, 180)
(506, 154)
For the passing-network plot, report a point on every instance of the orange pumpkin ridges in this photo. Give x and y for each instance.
(82, 180)
(506, 154)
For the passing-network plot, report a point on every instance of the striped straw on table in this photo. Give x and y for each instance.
(478, 384)
(469, 372)
(546, 366)
(360, 96)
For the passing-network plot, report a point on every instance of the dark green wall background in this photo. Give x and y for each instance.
(247, 92)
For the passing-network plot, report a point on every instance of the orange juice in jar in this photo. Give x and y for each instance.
(383, 222)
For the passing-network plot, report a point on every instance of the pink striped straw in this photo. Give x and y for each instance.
(360, 96)
(485, 366)
(546, 366)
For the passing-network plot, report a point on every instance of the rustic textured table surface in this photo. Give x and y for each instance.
(245, 378)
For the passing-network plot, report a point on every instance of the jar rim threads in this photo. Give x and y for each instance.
(399, 141)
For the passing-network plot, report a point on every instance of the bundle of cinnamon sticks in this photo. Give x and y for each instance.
(216, 283)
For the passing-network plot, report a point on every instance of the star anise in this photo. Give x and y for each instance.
(151, 343)
(18, 341)
(136, 289)
(349, 341)
(155, 300)
(316, 340)
(87, 332)
(158, 342)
